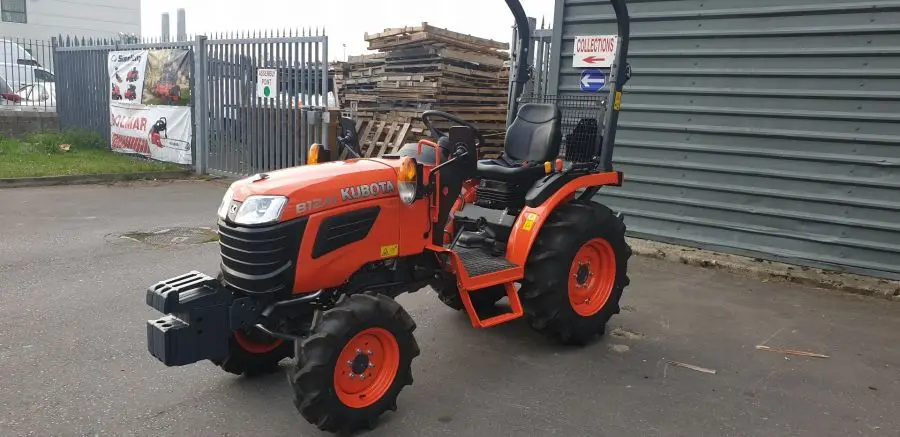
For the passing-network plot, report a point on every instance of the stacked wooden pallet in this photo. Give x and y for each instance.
(425, 67)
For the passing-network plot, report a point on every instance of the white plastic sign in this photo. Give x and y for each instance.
(595, 51)
(266, 83)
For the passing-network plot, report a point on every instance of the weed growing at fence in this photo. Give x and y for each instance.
(68, 153)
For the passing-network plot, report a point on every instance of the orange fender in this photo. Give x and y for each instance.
(530, 221)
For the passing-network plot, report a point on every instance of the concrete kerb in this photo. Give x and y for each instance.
(769, 270)
(93, 179)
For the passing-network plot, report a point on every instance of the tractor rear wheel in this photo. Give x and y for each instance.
(352, 367)
(576, 273)
(251, 353)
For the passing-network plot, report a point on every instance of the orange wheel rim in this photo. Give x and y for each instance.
(592, 277)
(257, 342)
(366, 368)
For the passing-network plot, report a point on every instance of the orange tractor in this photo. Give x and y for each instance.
(312, 257)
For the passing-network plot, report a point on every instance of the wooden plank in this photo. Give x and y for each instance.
(444, 33)
(373, 144)
(387, 139)
(401, 137)
(365, 136)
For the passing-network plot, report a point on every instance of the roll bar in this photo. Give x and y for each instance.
(617, 77)
(521, 71)
(521, 74)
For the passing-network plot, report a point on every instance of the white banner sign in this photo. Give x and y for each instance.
(598, 51)
(159, 132)
(126, 74)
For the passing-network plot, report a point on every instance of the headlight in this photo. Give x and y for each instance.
(258, 210)
(408, 180)
(226, 201)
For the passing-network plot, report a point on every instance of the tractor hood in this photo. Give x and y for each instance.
(313, 188)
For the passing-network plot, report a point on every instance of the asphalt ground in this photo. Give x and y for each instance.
(73, 357)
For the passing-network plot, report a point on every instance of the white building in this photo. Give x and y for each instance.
(44, 19)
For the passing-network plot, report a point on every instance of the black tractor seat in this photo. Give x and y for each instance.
(532, 139)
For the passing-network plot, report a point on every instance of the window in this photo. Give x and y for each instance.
(13, 11)
(43, 76)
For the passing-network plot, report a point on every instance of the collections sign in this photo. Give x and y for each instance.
(597, 51)
(150, 97)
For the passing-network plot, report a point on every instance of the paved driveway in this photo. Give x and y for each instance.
(73, 359)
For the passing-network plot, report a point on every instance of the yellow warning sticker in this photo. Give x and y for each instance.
(618, 102)
(529, 221)
(390, 251)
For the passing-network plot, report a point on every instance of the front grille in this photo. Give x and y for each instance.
(260, 260)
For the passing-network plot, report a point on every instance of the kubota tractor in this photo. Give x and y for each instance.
(312, 257)
(116, 93)
(131, 92)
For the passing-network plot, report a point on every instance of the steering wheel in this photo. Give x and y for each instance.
(437, 134)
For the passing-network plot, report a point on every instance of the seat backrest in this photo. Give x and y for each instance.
(535, 134)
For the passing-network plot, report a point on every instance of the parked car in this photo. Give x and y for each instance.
(38, 94)
(12, 52)
(17, 76)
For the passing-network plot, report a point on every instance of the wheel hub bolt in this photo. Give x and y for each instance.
(362, 377)
(368, 352)
(371, 365)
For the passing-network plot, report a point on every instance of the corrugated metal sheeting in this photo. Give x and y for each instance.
(768, 128)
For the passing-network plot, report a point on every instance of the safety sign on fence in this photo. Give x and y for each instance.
(266, 83)
(150, 98)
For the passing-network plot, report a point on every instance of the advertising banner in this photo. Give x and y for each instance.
(150, 99)
(161, 132)
(168, 78)
(126, 75)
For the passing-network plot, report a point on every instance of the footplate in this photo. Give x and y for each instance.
(515, 306)
(197, 322)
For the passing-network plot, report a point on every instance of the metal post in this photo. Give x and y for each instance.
(325, 114)
(201, 105)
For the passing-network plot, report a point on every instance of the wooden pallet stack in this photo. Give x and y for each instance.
(425, 67)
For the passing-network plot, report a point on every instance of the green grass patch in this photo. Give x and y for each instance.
(39, 155)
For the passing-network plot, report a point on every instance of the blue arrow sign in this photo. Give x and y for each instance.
(592, 80)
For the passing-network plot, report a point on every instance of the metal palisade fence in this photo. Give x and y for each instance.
(258, 100)
(266, 96)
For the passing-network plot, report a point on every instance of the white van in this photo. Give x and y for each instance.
(17, 76)
(12, 52)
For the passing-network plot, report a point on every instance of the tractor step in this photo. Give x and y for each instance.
(478, 262)
(515, 306)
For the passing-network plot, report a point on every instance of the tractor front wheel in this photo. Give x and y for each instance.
(352, 367)
(576, 272)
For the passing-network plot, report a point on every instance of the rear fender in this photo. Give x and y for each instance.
(532, 218)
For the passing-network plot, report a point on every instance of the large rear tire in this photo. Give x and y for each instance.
(352, 367)
(576, 273)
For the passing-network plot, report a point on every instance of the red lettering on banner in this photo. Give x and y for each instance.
(138, 145)
(133, 123)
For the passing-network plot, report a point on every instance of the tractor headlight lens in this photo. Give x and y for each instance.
(226, 201)
(408, 181)
(258, 210)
